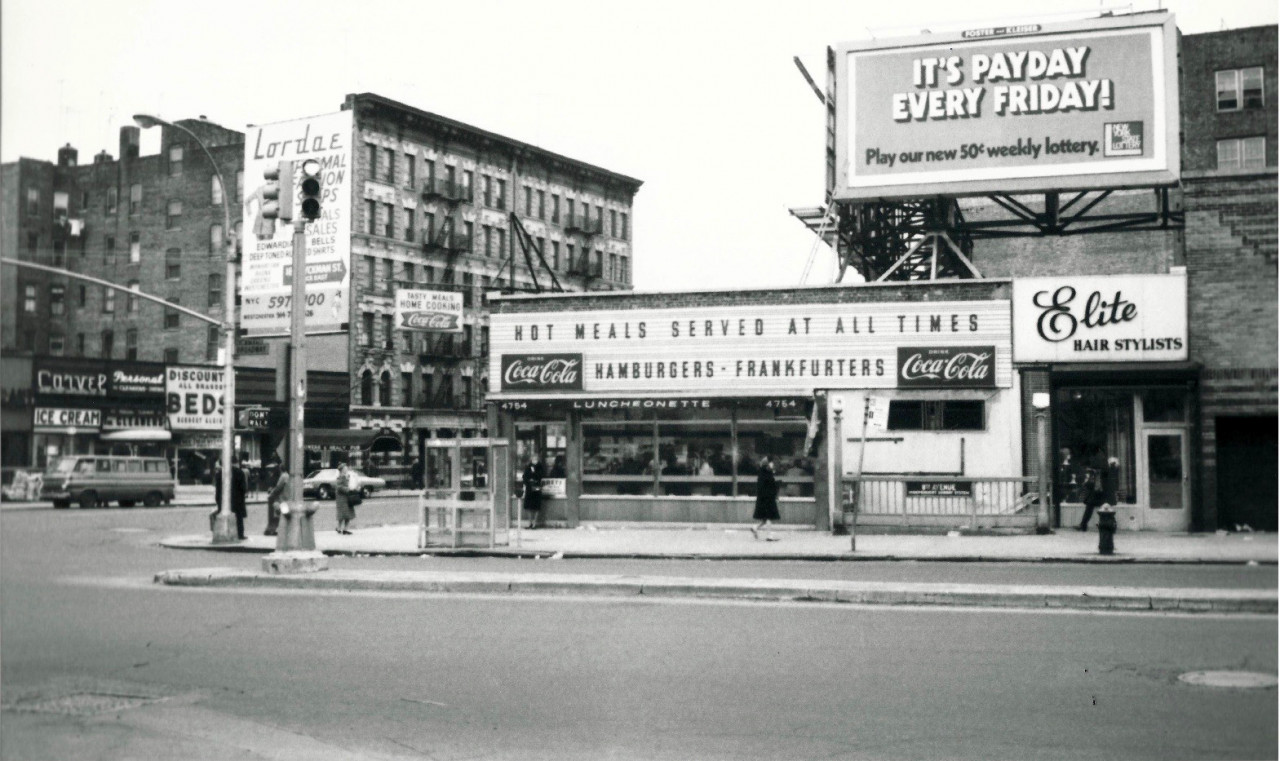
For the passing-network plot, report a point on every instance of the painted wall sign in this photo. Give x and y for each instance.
(1106, 318)
(947, 367)
(939, 488)
(541, 372)
(268, 244)
(757, 350)
(65, 420)
(429, 311)
(1075, 105)
(194, 398)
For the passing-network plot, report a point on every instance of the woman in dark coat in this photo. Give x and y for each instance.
(766, 497)
(532, 479)
(342, 499)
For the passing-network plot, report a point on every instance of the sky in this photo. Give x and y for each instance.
(700, 100)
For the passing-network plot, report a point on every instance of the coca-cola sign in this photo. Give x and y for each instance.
(947, 367)
(429, 321)
(430, 311)
(541, 372)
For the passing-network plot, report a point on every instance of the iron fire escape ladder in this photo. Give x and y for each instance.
(527, 243)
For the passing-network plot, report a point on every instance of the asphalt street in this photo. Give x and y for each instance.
(221, 673)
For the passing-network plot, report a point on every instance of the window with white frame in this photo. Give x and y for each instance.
(135, 199)
(1242, 153)
(1239, 89)
(135, 248)
(173, 264)
(33, 202)
(215, 190)
(29, 299)
(131, 303)
(173, 215)
(175, 160)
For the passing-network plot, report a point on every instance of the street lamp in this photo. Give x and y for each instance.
(223, 530)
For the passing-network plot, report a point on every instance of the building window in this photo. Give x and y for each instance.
(428, 227)
(171, 356)
(625, 231)
(215, 290)
(366, 336)
(57, 345)
(173, 216)
(502, 243)
(131, 343)
(488, 240)
(384, 389)
(613, 223)
(211, 343)
(135, 248)
(555, 254)
(410, 276)
(388, 332)
(406, 389)
(942, 415)
(33, 244)
(175, 160)
(57, 300)
(388, 274)
(371, 273)
(373, 160)
(542, 204)
(131, 300)
(410, 170)
(555, 208)
(626, 269)
(108, 300)
(528, 201)
(215, 239)
(215, 191)
(502, 194)
(33, 202)
(109, 250)
(135, 199)
(613, 267)
(108, 343)
(468, 178)
(488, 190)
(371, 216)
(366, 388)
(84, 296)
(59, 253)
(1242, 153)
(113, 200)
(409, 232)
(430, 165)
(172, 317)
(469, 229)
(390, 162)
(390, 229)
(173, 264)
(1091, 425)
(29, 299)
(1239, 88)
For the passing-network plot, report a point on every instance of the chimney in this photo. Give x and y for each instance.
(103, 158)
(67, 156)
(130, 138)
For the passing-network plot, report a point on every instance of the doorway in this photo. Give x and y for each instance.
(1247, 493)
(1164, 480)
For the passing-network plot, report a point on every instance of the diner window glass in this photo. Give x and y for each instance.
(1091, 426)
(696, 458)
(618, 458)
(782, 440)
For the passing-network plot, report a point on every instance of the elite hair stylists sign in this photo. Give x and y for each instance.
(1110, 318)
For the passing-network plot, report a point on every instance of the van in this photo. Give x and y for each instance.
(93, 480)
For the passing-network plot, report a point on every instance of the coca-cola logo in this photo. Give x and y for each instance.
(947, 367)
(430, 320)
(540, 372)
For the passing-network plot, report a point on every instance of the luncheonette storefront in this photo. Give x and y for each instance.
(1109, 355)
(660, 407)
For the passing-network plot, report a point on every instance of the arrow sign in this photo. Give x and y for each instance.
(319, 272)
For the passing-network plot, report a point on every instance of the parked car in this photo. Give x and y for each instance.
(93, 480)
(320, 484)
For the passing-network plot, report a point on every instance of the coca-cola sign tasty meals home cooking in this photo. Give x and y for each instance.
(947, 367)
(542, 372)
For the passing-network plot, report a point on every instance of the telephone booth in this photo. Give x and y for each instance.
(466, 481)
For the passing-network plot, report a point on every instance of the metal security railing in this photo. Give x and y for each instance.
(940, 500)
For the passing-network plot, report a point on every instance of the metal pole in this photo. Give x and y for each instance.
(222, 530)
(1042, 508)
(857, 486)
(298, 380)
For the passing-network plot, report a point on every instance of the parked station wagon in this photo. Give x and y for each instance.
(93, 480)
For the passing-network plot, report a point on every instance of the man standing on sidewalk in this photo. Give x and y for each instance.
(278, 492)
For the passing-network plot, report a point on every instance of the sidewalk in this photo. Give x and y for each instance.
(734, 542)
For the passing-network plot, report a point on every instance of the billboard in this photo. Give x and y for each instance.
(742, 350)
(428, 311)
(267, 257)
(1091, 104)
(194, 397)
(1101, 318)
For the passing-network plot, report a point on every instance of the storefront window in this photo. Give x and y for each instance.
(783, 441)
(1164, 405)
(1092, 426)
(618, 458)
(696, 457)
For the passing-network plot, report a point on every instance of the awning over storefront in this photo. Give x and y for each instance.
(137, 434)
(374, 441)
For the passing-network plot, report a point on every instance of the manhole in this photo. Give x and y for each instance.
(1242, 680)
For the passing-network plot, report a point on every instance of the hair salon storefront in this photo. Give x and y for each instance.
(660, 407)
(1111, 354)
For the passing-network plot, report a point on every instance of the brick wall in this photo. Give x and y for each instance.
(1202, 55)
(1232, 302)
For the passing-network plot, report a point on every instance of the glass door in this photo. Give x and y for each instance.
(1165, 480)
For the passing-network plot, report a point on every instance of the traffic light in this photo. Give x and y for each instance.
(311, 190)
(277, 194)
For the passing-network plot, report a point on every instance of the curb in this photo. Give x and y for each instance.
(191, 543)
(1130, 599)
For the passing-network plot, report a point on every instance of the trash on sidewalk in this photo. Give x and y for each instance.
(953, 534)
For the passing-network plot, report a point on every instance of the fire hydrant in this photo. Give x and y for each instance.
(1106, 530)
(297, 533)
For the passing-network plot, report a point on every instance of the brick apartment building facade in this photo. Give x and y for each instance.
(434, 198)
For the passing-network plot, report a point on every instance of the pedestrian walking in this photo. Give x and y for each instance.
(278, 493)
(766, 498)
(1101, 488)
(239, 487)
(342, 499)
(532, 479)
(416, 472)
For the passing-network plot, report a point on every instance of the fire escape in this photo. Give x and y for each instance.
(586, 230)
(446, 351)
